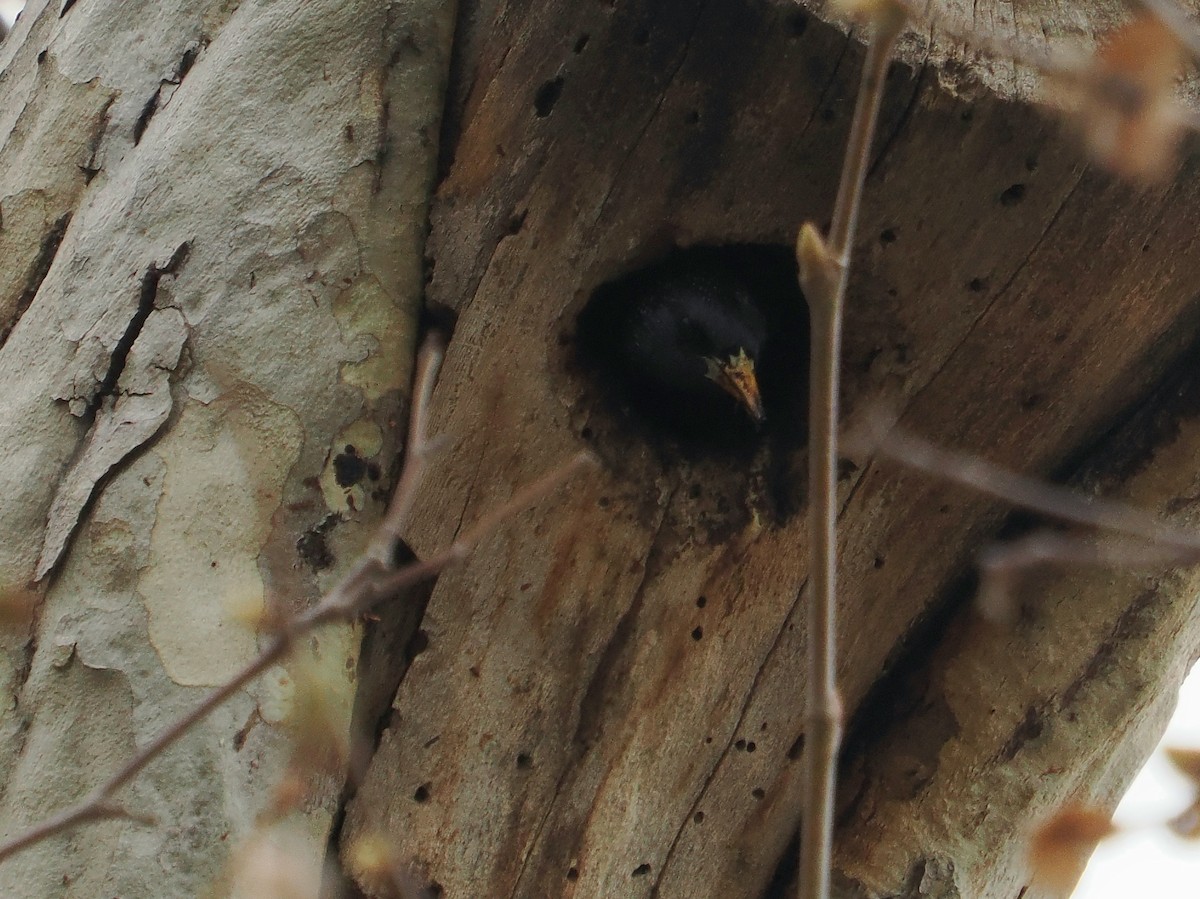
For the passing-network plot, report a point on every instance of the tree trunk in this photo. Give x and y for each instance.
(214, 215)
(609, 703)
(213, 221)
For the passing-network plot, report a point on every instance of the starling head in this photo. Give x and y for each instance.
(735, 375)
(703, 344)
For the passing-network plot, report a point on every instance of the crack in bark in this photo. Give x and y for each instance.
(120, 352)
(650, 119)
(906, 116)
(1021, 266)
(45, 259)
(725, 753)
(823, 92)
(591, 704)
(91, 169)
(186, 61)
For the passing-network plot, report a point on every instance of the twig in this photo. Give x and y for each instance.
(1025, 492)
(371, 580)
(60, 821)
(417, 449)
(1002, 565)
(824, 271)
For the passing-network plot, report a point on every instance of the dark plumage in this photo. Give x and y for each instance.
(699, 344)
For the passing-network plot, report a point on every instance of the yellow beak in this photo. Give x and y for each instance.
(736, 377)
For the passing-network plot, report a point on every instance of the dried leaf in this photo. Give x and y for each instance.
(248, 608)
(275, 865)
(1061, 846)
(1187, 823)
(1186, 762)
(374, 862)
(318, 721)
(1127, 111)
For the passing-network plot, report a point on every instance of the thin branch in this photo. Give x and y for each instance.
(81, 813)
(824, 271)
(1014, 557)
(369, 581)
(346, 604)
(1003, 565)
(417, 449)
(1021, 490)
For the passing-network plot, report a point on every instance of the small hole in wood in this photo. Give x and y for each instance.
(1012, 195)
(418, 643)
(515, 222)
(547, 96)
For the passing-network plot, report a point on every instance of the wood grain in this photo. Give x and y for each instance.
(609, 704)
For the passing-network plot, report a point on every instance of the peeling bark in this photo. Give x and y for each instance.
(213, 228)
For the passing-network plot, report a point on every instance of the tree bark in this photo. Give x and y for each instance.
(609, 701)
(215, 215)
(213, 220)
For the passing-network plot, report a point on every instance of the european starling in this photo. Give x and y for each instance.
(693, 343)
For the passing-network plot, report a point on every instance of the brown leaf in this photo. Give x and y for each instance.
(374, 861)
(1186, 762)
(274, 864)
(1187, 823)
(1145, 51)
(1060, 847)
(1129, 117)
(318, 720)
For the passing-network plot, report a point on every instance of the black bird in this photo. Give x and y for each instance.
(709, 344)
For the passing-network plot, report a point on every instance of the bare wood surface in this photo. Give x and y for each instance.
(613, 708)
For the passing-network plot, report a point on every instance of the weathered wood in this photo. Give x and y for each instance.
(609, 701)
